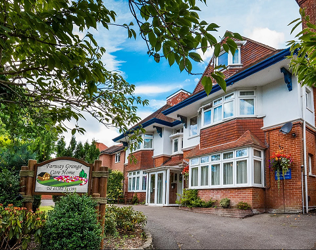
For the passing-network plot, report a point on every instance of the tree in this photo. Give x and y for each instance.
(303, 53)
(44, 64)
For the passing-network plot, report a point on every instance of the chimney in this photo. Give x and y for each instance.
(177, 97)
(310, 10)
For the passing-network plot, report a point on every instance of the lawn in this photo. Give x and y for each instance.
(46, 208)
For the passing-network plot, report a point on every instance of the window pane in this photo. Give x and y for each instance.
(223, 59)
(152, 188)
(247, 107)
(139, 145)
(228, 155)
(205, 159)
(241, 172)
(137, 183)
(133, 184)
(217, 102)
(149, 135)
(144, 183)
(137, 172)
(193, 126)
(228, 173)
(130, 173)
(228, 109)
(257, 172)
(194, 177)
(229, 97)
(129, 184)
(216, 174)
(204, 176)
(207, 117)
(236, 57)
(148, 143)
(247, 93)
(175, 145)
(241, 152)
(194, 161)
(218, 114)
(216, 157)
(257, 153)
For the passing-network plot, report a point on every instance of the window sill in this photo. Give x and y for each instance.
(136, 191)
(229, 119)
(226, 187)
(312, 175)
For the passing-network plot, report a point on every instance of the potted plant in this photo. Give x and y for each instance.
(280, 163)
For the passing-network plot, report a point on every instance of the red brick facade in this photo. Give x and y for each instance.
(158, 161)
(310, 9)
(178, 97)
(109, 161)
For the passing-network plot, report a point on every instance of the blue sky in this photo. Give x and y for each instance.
(262, 20)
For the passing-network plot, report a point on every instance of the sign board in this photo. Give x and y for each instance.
(62, 175)
(287, 175)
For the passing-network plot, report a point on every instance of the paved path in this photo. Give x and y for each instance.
(172, 228)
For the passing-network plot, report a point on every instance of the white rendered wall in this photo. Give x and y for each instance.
(167, 143)
(191, 141)
(279, 105)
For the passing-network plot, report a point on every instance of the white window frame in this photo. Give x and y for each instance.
(310, 165)
(230, 58)
(135, 174)
(309, 99)
(197, 124)
(141, 146)
(249, 158)
(180, 140)
(117, 157)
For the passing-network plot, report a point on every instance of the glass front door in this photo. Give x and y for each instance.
(156, 194)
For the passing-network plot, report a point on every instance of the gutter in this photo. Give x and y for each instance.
(230, 81)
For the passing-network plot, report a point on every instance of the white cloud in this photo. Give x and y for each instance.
(154, 90)
(266, 36)
(144, 114)
(156, 104)
(207, 55)
(196, 80)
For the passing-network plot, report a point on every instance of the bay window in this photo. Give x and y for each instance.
(137, 181)
(238, 103)
(235, 168)
(147, 142)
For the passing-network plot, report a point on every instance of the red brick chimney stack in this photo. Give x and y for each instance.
(310, 9)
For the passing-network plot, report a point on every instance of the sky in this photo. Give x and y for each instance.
(265, 21)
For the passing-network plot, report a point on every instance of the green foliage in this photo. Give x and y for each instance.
(243, 205)
(9, 188)
(18, 226)
(303, 64)
(37, 202)
(225, 202)
(72, 225)
(126, 218)
(115, 184)
(56, 198)
(110, 223)
(190, 199)
(135, 199)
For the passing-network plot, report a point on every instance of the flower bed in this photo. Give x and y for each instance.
(225, 212)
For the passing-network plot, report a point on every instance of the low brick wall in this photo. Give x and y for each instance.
(225, 212)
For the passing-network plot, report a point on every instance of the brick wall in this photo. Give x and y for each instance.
(310, 9)
(253, 196)
(311, 180)
(106, 160)
(230, 131)
(158, 161)
(289, 200)
(109, 161)
(179, 97)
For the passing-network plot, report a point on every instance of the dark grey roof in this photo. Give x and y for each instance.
(113, 149)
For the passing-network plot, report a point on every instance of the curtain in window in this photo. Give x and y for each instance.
(133, 184)
(236, 57)
(144, 182)
(215, 174)
(241, 172)
(137, 183)
(218, 114)
(228, 173)
(257, 172)
(148, 143)
(129, 183)
(247, 107)
(228, 155)
(204, 176)
(228, 109)
(194, 177)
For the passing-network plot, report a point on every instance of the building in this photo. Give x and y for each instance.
(227, 138)
(113, 157)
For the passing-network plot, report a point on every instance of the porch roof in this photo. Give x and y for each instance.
(157, 169)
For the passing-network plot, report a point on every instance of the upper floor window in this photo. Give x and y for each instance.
(227, 59)
(308, 98)
(117, 157)
(225, 107)
(148, 141)
(193, 126)
(177, 145)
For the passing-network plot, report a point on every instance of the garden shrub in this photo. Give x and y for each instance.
(135, 199)
(56, 198)
(72, 225)
(17, 226)
(190, 199)
(9, 188)
(127, 219)
(243, 205)
(115, 184)
(110, 223)
(225, 202)
(37, 202)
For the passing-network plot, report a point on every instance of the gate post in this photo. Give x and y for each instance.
(103, 189)
(23, 181)
(29, 185)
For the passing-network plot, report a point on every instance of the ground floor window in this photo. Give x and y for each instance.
(234, 168)
(137, 181)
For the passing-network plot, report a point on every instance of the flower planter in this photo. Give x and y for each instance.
(225, 212)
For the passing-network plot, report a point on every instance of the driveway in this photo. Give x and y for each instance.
(172, 228)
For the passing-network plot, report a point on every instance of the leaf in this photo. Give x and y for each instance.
(152, 39)
(181, 65)
(217, 49)
(188, 65)
(212, 27)
(207, 84)
(171, 58)
(195, 56)
(220, 80)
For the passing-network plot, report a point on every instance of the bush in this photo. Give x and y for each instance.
(135, 199)
(115, 184)
(72, 224)
(225, 203)
(110, 223)
(243, 205)
(56, 198)
(190, 199)
(37, 202)
(127, 219)
(18, 226)
(9, 188)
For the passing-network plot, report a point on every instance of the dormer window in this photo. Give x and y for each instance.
(227, 59)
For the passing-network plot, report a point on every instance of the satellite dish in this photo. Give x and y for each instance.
(286, 128)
